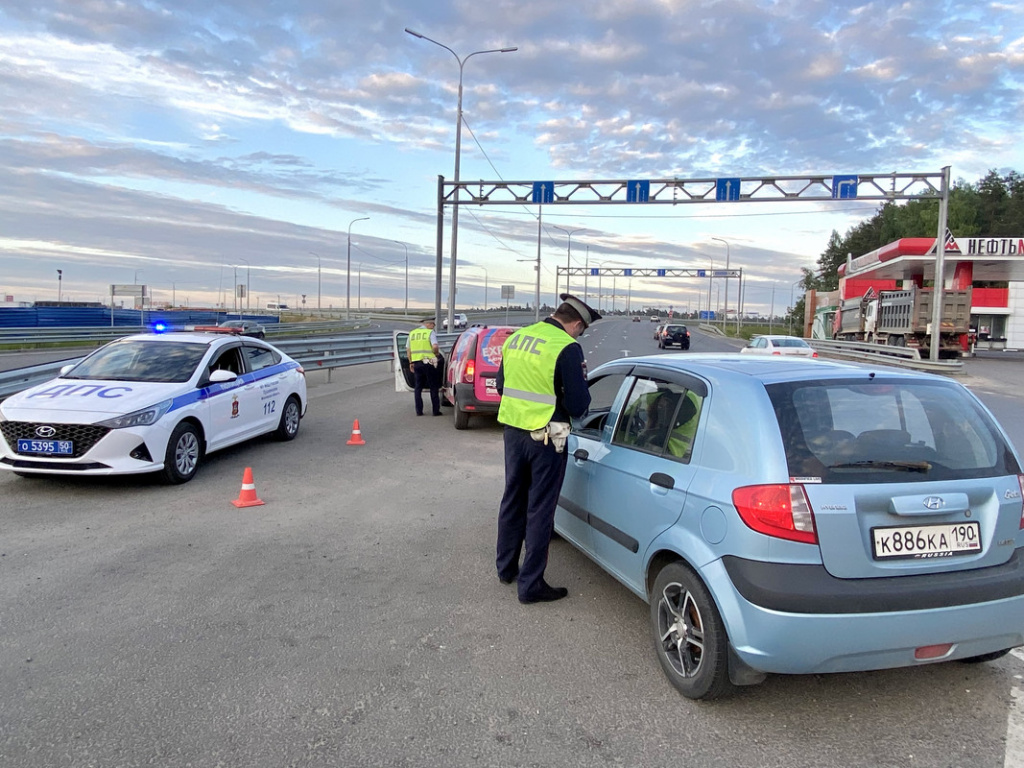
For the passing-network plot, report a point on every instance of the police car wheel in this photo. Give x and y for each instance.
(288, 427)
(184, 451)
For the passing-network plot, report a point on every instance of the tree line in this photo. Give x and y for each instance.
(991, 207)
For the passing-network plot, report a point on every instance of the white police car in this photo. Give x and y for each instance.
(152, 402)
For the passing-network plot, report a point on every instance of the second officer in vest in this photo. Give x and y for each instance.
(543, 384)
(424, 353)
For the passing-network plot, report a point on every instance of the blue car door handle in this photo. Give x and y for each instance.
(580, 455)
(663, 480)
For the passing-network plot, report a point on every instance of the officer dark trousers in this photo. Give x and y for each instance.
(425, 379)
(533, 480)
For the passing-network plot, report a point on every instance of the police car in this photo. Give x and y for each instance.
(152, 402)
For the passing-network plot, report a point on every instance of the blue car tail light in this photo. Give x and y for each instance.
(777, 510)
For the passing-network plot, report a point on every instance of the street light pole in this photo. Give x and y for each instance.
(247, 268)
(711, 273)
(348, 268)
(568, 256)
(458, 153)
(60, 276)
(586, 274)
(406, 273)
(317, 279)
(725, 305)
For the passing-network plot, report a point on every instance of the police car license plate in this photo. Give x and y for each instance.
(490, 386)
(921, 542)
(47, 447)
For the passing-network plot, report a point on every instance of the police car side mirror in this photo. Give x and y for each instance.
(64, 369)
(220, 376)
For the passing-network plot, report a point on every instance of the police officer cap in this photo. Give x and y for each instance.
(588, 313)
(430, 320)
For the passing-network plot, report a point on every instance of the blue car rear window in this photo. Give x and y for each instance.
(878, 430)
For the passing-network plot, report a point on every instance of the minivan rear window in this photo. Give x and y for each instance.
(878, 430)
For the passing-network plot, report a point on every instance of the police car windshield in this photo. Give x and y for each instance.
(164, 361)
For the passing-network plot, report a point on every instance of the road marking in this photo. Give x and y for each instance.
(1014, 755)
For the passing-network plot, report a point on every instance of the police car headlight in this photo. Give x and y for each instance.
(143, 418)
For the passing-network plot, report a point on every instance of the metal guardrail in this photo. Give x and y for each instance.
(24, 337)
(330, 352)
(903, 357)
(314, 353)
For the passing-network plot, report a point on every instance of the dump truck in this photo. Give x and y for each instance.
(903, 318)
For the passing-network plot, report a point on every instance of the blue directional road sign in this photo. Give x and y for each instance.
(844, 187)
(627, 272)
(727, 190)
(638, 191)
(702, 273)
(543, 191)
(595, 270)
(661, 272)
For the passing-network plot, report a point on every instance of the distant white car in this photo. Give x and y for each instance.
(152, 402)
(461, 321)
(779, 345)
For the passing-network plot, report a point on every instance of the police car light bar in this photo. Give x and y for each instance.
(216, 329)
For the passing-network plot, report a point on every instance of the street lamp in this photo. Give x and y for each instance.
(60, 275)
(458, 151)
(599, 275)
(348, 268)
(725, 306)
(791, 305)
(711, 273)
(568, 255)
(359, 289)
(406, 273)
(317, 279)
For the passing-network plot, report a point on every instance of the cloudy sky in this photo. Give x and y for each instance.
(187, 145)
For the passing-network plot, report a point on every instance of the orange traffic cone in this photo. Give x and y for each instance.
(247, 497)
(357, 436)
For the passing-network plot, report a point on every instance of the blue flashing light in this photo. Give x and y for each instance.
(159, 327)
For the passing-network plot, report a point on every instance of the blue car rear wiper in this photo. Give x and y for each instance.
(903, 466)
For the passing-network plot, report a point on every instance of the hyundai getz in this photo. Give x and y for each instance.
(844, 518)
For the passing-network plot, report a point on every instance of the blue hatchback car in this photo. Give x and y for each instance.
(795, 516)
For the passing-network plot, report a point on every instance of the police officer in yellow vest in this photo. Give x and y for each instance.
(543, 383)
(421, 349)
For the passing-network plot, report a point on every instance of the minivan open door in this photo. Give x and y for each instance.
(404, 381)
(403, 376)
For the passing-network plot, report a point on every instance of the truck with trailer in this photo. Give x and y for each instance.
(903, 318)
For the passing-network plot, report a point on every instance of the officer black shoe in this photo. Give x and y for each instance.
(508, 579)
(546, 594)
(438, 414)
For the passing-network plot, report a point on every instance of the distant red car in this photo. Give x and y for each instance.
(472, 371)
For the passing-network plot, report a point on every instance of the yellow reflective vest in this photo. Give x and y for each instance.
(529, 357)
(419, 345)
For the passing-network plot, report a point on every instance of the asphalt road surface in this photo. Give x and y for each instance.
(355, 620)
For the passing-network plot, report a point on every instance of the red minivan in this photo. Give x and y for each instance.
(472, 371)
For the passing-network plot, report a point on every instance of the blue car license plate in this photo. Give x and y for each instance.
(47, 447)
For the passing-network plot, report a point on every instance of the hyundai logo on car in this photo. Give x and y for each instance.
(933, 502)
(45, 431)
